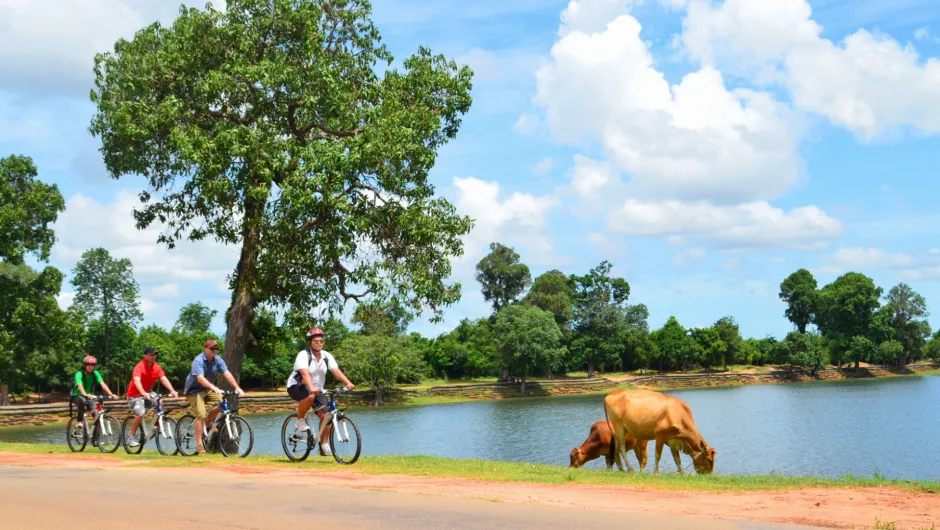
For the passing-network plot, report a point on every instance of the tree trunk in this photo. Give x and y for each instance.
(244, 299)
(522, 389)
(590, 368)
(504, 374)
(378, 396)
(548, 371)
(4, 395)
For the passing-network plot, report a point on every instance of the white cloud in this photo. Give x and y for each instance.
(935, 251)
(591, 16)
(167, 290)
(589, 176)
(544, 166)
(919, 274)
(65, 299)
(691, 255)
(868, 83)
(695, 140)
(527, 124)
(921, 34)
(732, 265)
(608, 247)
(49, 46)
(86, 223)
(749, 225)
(518, 221)
(854, 258)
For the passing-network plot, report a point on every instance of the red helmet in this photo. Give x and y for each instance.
(315, 332)
(90, 360)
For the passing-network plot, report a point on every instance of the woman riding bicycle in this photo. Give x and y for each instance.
(84, 383)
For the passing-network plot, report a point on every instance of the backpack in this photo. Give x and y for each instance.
(299, 378)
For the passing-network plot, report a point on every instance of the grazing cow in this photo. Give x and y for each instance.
(649, 415)
(600, 442)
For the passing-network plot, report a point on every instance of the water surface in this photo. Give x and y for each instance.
(889, 426)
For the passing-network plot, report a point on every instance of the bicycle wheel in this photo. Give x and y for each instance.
(186, 435)
(108, 434)
(126, 431)
(166, 440)
(241, 439)
(296, 443)
(76, 435)
(341, 441)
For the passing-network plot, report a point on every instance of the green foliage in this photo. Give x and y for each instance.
(845, 307)
(27, 208)
(502, 277)
(889, 352)
(280, 126)
(600, 310)
(105, 289)
(380, 362)
(38, 341)
(382, 318)
(552, 292)
(529, 338)
(798, 291)
(195, 318)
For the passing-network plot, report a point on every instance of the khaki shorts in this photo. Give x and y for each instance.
(198, 402)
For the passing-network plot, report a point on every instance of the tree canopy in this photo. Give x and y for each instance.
(281, 126)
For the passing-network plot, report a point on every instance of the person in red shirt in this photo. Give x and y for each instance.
(145, 374)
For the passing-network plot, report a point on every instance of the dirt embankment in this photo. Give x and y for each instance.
(818, 507)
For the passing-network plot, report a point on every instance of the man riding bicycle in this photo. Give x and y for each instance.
(83, 384)
(205, 370)
(146, 372)
(305, 383)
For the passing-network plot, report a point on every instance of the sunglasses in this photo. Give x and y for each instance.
(214, 348)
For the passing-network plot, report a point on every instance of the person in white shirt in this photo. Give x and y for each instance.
(305, 383)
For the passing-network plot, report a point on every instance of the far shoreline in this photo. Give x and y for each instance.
(462, 392)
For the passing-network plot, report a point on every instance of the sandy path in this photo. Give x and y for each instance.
(817, 507)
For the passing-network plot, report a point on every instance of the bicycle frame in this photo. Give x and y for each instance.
(99, 417)
(330, 418)
(157, 427)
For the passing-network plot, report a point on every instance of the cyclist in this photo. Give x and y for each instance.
(305, 383)
(146, 372)
(205, 369)
(82, 385)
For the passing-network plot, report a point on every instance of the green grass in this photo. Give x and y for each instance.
(495, 471)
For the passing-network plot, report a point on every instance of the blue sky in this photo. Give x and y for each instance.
(706, 149)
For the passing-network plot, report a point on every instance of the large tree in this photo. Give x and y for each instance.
(529, 337)
(105, 289)
(600, 311)
(27, 207)
(195, 318)
(798, 291)
(846, 308)
(552, 292)
(909, 312)
(502, 277)
(280, 126)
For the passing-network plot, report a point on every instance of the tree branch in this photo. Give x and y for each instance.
(341, 272)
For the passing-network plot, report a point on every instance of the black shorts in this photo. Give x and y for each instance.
(300, 392)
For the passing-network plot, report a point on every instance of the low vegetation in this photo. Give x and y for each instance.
(488, 470)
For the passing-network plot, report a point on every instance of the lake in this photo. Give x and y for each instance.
(886, 426)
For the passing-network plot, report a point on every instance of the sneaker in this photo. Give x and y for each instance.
(132, 441)
(326, 450)
(301, 425)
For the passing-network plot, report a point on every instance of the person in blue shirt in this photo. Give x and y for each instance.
(200, 389)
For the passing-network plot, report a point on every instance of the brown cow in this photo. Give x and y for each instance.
(599, 442)
(649, 415)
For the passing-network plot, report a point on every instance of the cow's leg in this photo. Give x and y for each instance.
(640, 455)
(627, 460)
(677, 458)
(660, 441)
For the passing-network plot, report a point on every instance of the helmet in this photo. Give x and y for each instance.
(90, 360)
(315, 332)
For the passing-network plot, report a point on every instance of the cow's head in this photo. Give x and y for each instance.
(704, 459)
(577, 458)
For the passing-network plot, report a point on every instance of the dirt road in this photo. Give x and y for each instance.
(54, 491)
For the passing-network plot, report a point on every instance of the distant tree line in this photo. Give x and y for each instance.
(552, 325)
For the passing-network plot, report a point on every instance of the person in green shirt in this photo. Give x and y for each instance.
(84, 383)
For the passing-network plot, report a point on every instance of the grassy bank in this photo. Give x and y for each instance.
(487, 470)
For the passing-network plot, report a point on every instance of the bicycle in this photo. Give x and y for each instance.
(106, 426)
(162, 427)
(227, 424)
(338, 438)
